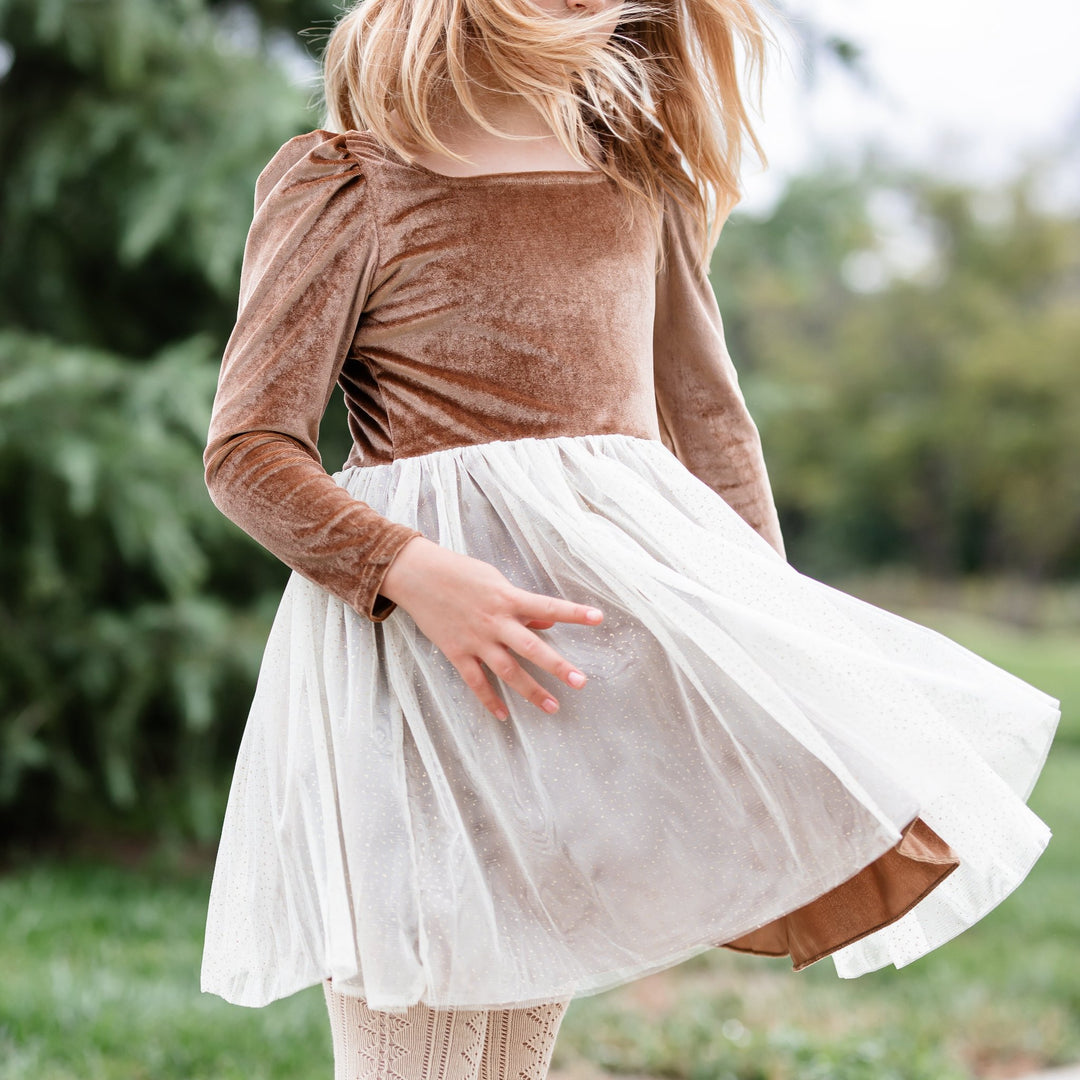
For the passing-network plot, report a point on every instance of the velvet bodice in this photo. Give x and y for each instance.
(451, 311)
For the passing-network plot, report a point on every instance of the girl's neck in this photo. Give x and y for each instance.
(535, 148)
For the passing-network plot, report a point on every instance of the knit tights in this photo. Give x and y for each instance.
(441, 1044)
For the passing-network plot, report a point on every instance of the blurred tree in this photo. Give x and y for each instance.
(132, 613)
(930, 418)
(132, 132)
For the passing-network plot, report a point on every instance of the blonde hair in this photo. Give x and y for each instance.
(656, 105)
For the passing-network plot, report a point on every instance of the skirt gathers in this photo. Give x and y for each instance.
(757, 761)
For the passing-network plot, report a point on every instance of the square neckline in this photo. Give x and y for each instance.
(556, 174)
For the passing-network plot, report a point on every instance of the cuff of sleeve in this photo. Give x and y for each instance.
(367, 600)
(772, 533)
(760, 514)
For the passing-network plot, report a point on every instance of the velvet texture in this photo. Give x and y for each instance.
(461, 310)
(876, 896)
(452, 311)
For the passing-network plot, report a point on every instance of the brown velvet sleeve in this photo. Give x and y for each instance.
(308, 264)
(702, 415)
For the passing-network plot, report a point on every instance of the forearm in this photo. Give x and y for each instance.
(272, 488)
(743, 482)
(722, 448)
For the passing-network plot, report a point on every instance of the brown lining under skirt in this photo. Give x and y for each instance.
(877, 895)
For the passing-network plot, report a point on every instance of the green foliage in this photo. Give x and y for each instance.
(132, 132)
(119, 659)
(132, 614)
(934, 421)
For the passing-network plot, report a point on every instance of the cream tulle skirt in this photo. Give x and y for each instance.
(757, 760)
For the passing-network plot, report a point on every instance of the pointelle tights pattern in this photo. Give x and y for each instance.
(441, 1044)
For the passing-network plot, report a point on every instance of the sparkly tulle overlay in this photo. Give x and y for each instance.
(748, 740)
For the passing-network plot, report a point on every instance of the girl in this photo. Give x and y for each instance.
(544, 707)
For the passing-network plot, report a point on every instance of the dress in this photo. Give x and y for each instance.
(758, 761)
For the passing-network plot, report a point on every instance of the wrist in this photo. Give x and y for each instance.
(402, 569)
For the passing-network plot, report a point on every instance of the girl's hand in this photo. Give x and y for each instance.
(469, 610)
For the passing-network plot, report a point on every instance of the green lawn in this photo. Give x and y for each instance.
(100, 973)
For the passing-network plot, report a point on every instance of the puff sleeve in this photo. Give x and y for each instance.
(308, 265)
(701, 412)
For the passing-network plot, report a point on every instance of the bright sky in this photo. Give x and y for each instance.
(965, 87)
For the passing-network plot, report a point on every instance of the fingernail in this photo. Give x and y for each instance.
(501, 714)
(575, 678)
(549, 705)
(594, 614)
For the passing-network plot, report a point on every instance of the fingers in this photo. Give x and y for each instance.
(536, 650)
(551, 609)
(507, 623)
(503, 664)
(510, 672)
(477, 681)
(540, 612)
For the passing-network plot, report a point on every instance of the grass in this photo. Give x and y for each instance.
(100, 981)
(100, 968)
